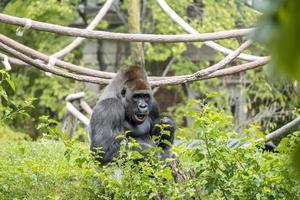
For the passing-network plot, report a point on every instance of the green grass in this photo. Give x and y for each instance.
(40, 170)
(7, 134)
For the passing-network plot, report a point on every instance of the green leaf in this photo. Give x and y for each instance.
(165, 173)
(3, 93)
(11, 84)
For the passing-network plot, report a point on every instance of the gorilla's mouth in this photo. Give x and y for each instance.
(140, 117)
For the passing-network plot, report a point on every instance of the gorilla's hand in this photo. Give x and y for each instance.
(168, 121)
(166, 132)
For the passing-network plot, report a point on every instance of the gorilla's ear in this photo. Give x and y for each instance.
(123, 92)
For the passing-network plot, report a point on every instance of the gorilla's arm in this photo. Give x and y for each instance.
(105, 124)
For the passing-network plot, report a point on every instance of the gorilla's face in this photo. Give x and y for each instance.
(137, 105)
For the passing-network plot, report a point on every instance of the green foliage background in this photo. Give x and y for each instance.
(54, 167)
(48, 92)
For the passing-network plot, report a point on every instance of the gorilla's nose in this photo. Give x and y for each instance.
(143, 107)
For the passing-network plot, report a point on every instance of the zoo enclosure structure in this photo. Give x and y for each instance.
(24, 55)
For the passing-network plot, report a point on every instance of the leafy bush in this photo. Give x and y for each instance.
(9, 108)
(64, 169)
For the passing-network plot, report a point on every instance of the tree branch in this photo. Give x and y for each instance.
(63, 52)
(102, 12)
(96, 73)
(101, 81)
(283, 131)
(188, 28)
(230, 57)
(76, 113)
(222, 72)
(38, 55)
(76, 32)
(52, 70)
(13, 60)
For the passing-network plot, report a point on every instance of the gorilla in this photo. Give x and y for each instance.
(127, 105)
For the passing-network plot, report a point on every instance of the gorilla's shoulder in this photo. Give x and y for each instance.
(109, 109)
(109, 104)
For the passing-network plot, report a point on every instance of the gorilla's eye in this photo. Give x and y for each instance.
(123, 92)
(146, 97)
(141, 96)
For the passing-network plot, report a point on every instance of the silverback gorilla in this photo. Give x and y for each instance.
(127, 105)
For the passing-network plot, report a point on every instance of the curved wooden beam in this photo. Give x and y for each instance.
(104, 35)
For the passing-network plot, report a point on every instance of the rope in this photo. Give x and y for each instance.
(51, 64)
(6, 63)
(20, 30)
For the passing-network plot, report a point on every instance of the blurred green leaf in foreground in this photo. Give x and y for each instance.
(279, 28)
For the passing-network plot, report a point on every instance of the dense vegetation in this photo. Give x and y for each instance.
(38, 161)
(64, 169)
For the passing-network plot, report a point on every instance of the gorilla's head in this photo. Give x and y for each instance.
(136, 96)
(137, 105)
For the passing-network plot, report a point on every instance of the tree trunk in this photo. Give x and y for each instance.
(238, 101)
(136, 48)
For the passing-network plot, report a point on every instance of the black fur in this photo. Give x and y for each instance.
(127, 104)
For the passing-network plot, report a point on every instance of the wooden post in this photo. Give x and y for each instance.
(238, 104)
(136, 48)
